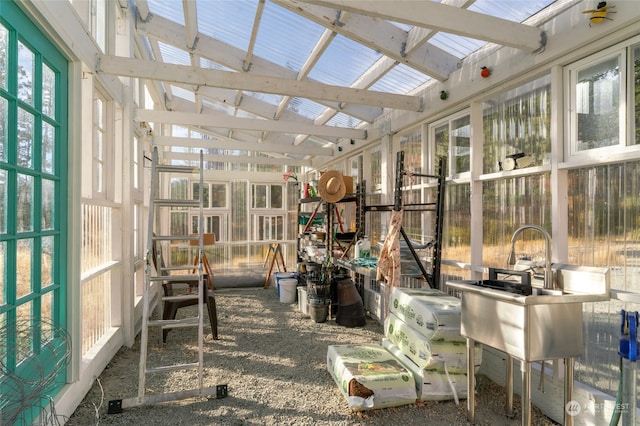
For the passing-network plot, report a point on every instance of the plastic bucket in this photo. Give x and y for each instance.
(282, 276)
(288, 290)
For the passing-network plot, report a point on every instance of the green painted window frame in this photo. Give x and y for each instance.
(30, 331)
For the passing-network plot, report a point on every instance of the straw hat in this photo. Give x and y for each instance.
(331, 186)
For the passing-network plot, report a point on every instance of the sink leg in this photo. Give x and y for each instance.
(471, 380)
(568, 389)
(509, 382)
(525, 367)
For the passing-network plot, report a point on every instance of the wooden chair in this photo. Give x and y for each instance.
(170, 288)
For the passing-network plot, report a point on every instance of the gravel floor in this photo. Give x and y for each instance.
(273, 360)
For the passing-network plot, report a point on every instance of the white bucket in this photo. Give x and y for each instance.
(288, 290)
(281, 276)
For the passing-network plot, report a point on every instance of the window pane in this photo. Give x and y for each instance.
(508, 204)
(411, 144)
(23, 267)
(636, 92)
(26, 63)
(4, 128)
(461, 144)
(4, 57)
(441, 136)
(259, 196)
(25, 138)
(218, 195)
(25, 203)
(3, 201)
(48, 91)
(597, 105)
(48, 148)
(517, 122)
(276, 197)
(3, 276)
(179, 188)
(179, 223)
(48, 207)
(376, 170)
(47, 263)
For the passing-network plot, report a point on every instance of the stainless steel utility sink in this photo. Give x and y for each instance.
(541, 325)
(531, 327)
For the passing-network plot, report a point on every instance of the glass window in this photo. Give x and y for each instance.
(508, 204)
(26, 63)
(635, 135)
(376, 170)
(4, 57)
(597, 92)
(461, 144)
(597, 95)
(218, 195)
(517, 123)
(411, 144)
(604, 230)
(99, 144)
(268, 227)
(452, 139)
(267, 196)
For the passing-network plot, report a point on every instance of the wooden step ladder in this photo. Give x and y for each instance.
(159, 273)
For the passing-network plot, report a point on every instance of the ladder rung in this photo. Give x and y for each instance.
(176, 278)
(168, 202)
(190, 237)
(174, 323)
(186, 266)
(186, 296)
(177, 169)
(166, 368)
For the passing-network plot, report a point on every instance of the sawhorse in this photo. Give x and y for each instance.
(274, 252)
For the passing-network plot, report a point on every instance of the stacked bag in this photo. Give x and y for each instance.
(422, 330)
(423, 355)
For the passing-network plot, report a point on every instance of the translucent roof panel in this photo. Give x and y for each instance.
(286, 38)
(173, 55)
(266, 97)
(401, 79)
(305, 107)
(343, 62)
(343, 120)
(182, 93)
(228, 21)
(167, 9)
(207, 63)
(513, 10)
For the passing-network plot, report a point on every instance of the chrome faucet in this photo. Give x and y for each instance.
(548, 273)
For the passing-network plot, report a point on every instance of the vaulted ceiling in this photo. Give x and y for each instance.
(284, 81)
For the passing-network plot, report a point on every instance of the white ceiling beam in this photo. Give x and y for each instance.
(231, 57)
(262, 147)
(377, 34)
(227, 122)
(143, 9)
(236, 159)
(244, 135)
(442, 17)
(127, 67)
(190, 23)
(254, 35)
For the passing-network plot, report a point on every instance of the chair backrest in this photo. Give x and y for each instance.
(158, 260)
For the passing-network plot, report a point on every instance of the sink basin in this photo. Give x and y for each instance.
(508, 286)
(531, 327)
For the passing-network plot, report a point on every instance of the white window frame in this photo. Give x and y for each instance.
(432, 167)
(623, 52)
